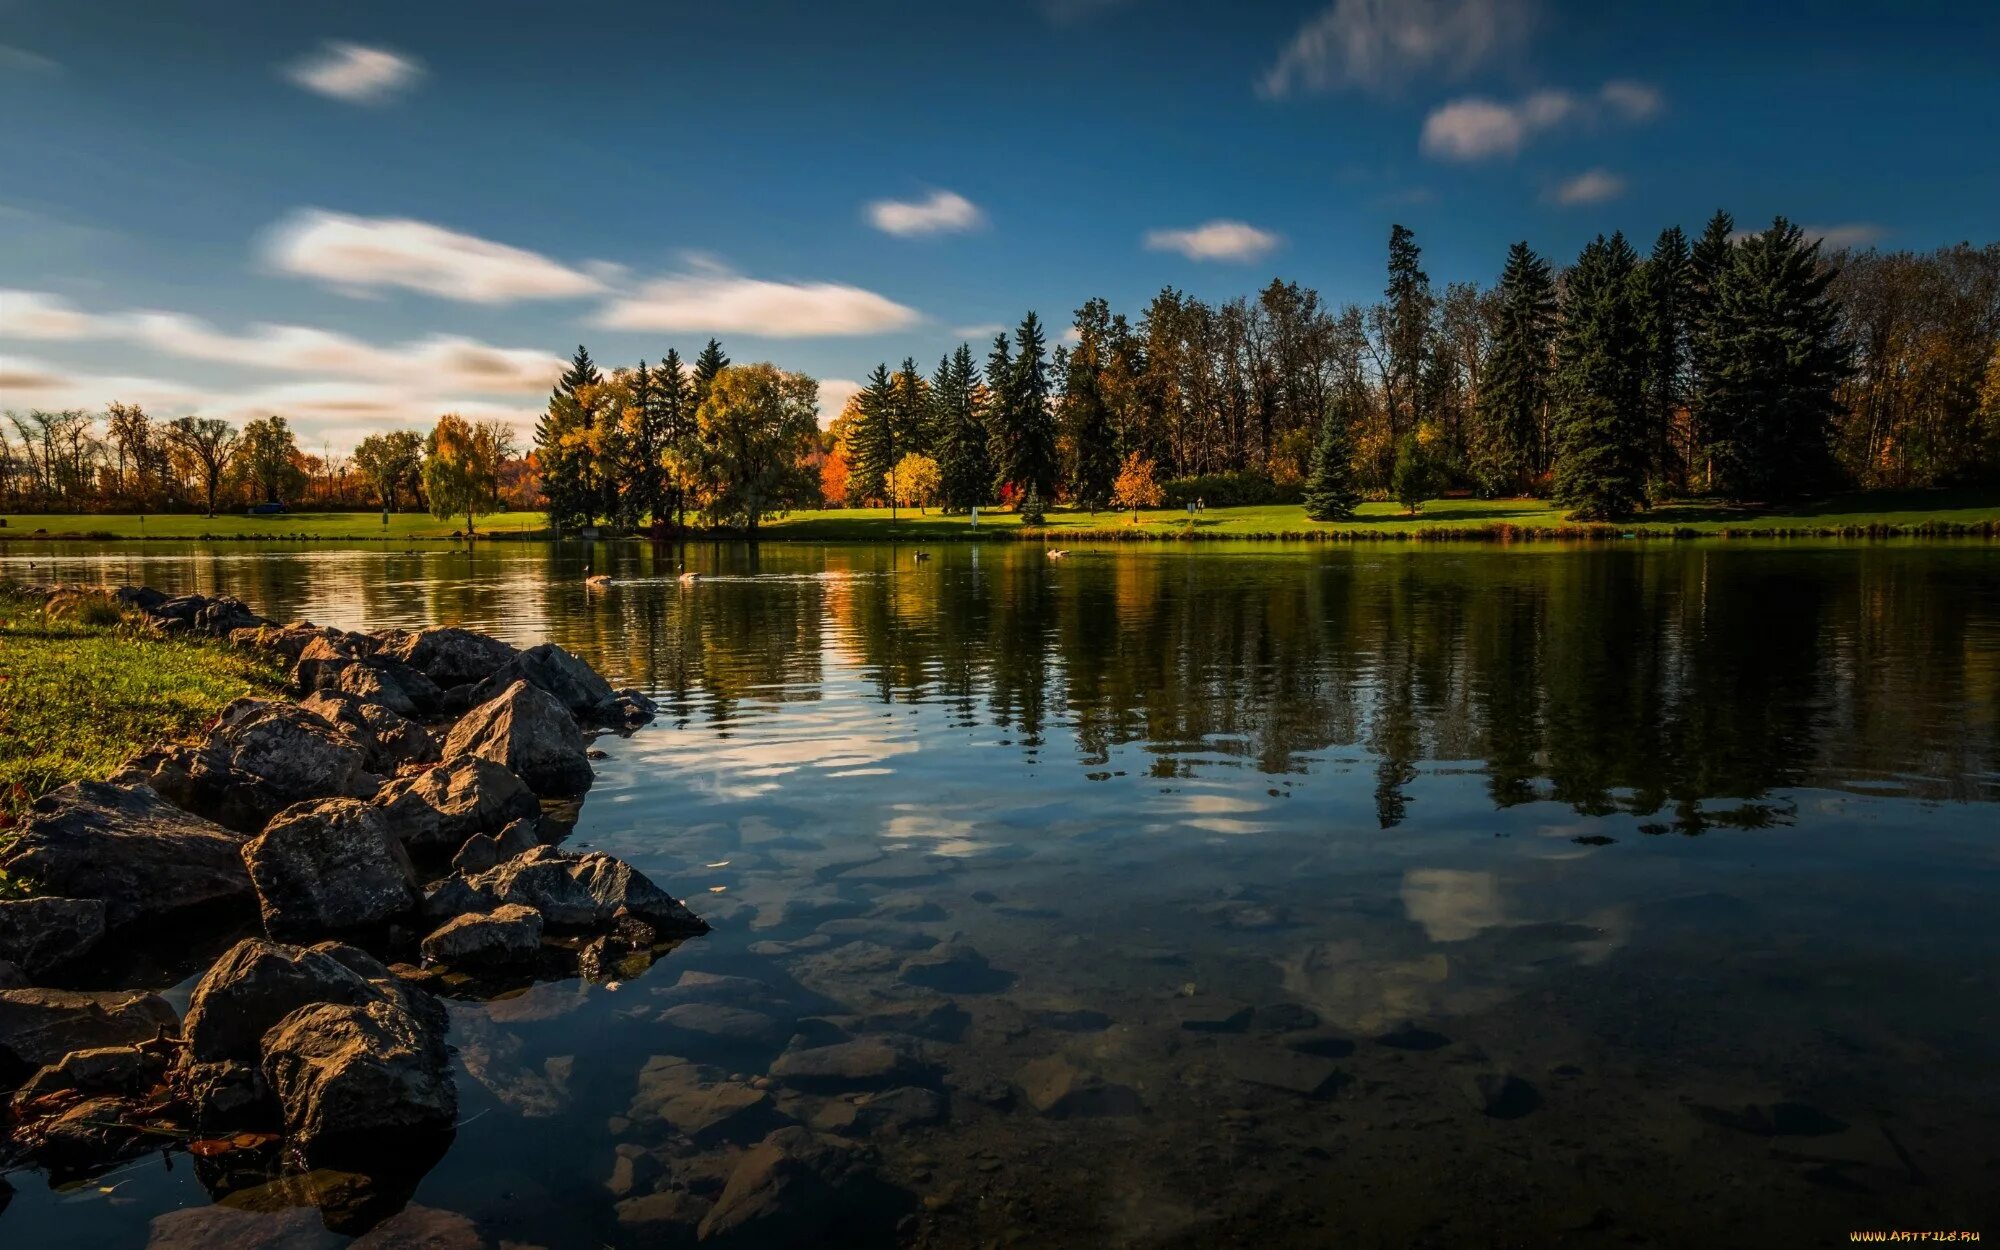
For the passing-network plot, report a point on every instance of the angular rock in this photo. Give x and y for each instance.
(528, 732)
(582, 891)
(216, 616)
(436, 811)
(288, 640)
(329, 867)
(878, 1062)
(486, 850)
(386, 739)
(549, 668)
(40, 1026)
(129, 848)
(691, 1101)
(667, 1218)
(1293, 1071)
(1058, 1088)
(450, 656)
(627, 709)
(227, 1095)
(796, 1189)
(265, 756)
(506, 936)
(258, 983)
(720, 1024)
(349, 1078)
(98, 1070)
(37, 934)
(955, 968)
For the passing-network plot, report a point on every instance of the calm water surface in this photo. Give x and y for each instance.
(1641, 895)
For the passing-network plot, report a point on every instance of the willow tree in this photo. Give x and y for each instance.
(462, 467)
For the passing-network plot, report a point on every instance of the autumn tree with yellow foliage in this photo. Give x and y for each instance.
(1136, 487)
(914, 481)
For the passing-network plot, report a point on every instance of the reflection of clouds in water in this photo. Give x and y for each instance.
(948, 836)
(1211, 811)
(836, 743)
(1451, 904)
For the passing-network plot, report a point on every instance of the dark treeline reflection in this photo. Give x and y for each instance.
(1686, 680)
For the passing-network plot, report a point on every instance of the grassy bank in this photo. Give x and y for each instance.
(83, 690)
(1862, 513)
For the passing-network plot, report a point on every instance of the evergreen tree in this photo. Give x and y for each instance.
(711, 362)
(1707, 259)
(1600, 386)
(993, 409)
(913, 411)
(1775, 358)
(1515, 390)
(1028, 437)
(873, 440)
(1414, 478)
(1668, 279)
(1406, 330)
(671, 438)
(964, 471)
(563, 444)
(1331, 493)
(1094, 464)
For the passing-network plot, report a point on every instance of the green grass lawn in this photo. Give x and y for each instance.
(79, 695)
(1896, 509)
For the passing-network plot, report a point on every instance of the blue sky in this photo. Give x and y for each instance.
(361, 215)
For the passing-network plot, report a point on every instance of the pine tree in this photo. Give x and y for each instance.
(1668, 278)
(671, 437)
(993, 411)
(1775, 358)
(1094, 462)
(562, 444)
(634, 483)
(711, 362)
(1028, 437)
(1514, 393)
(913, 410)
(1331, 493)
(1707, 259)
(1600, 386)
(1406, 330)
(873, 439)
(965, 472)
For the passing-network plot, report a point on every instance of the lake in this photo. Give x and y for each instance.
(1385, 895)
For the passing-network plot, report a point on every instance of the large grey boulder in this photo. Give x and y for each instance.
(528, 732)
(509, 935)
(485, 850)
(554, 671)
(38, 934)
(580, 891)
(264, 756)
(257, 983)
(350, 1078)
(216, 616)
(327, 867)
(386, 739)
(40, 1026)
(436, 811)
(290, 640)
(449, 656)
(396, 685)
(129, 848)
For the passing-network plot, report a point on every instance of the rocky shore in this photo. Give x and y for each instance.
(389, 831)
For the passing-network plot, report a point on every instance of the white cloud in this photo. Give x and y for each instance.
(833, 396)
(942, 212)
(1379, 45)
(717, 301)
(1476, 128)
(1847, 234)
(982, 332)
(29, 376)
(1215, 240)
(1593, 186)
(358, 254)
(355, 73)
(1070, 337)
(35, 315)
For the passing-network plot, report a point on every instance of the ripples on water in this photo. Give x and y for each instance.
(1639, 894)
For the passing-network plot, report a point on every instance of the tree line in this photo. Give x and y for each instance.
(1741, 365)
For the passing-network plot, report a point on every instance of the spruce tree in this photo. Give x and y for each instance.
(913, 411)
(1668, 278)
(672, 437)
(1600, 386)
(1406, 330)
(1514, 393)
(1775, 357)
(1028, 436)
(711, 362)
(993, 412)
(873, 440)
(1094, 459)
(562, 436)
(1707, 260)
(964, 471)
(631, 492)
(1331, 494)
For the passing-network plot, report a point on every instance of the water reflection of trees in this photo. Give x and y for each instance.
(1685, 680)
